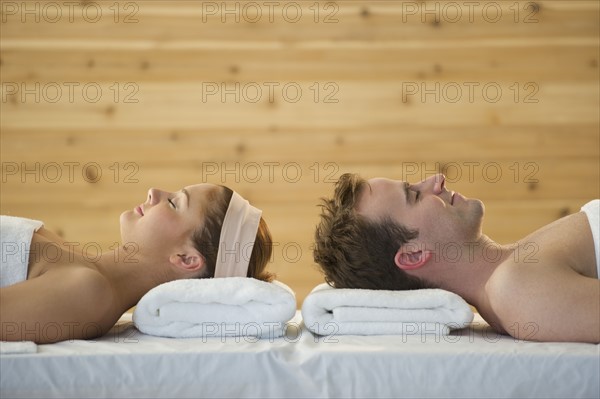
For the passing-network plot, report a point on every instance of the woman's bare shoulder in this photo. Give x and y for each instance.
(69, 303)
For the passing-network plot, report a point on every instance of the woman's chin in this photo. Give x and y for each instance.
(124, 220)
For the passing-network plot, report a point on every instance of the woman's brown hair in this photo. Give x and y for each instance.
(206, 239)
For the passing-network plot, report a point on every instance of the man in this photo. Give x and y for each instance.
(388, 234)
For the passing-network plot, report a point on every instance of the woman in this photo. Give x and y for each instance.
(200, 231)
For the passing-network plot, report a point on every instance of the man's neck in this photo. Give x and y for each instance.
(468, 275)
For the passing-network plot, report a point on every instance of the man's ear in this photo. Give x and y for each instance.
(189, 260)
(411, 258)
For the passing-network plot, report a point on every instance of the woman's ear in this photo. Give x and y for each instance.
(189, 260)
(408, 259)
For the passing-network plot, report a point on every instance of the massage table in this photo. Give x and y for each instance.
(474, 362)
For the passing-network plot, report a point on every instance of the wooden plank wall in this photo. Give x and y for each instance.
(102, 100)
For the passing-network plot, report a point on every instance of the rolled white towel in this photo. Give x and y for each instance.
(14, 348)
(216, 307)
(15, 237)
(330, 311)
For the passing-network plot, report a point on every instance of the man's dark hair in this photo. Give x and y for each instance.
(355, 252)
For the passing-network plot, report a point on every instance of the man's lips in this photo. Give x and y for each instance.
(452, 198)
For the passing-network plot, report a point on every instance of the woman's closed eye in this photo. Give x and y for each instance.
(172, 203)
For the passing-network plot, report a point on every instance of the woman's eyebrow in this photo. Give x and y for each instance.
(406, 194)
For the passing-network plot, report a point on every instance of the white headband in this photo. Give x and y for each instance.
(239, 230)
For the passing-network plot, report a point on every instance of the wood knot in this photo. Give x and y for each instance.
(365, 13)
(564, 211)
(91, 174)
(240, 148)
(534, 7)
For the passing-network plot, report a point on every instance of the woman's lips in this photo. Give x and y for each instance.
(452, 198)
(139, 210)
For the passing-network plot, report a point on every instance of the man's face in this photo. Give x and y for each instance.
(441, 216)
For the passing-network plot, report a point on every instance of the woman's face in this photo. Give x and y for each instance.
(164, 223)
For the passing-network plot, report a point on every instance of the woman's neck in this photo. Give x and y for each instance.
(131, 275)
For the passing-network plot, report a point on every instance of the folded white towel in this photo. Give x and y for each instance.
(13, 348)
(217, 307)
(330, 311)
(15, 238)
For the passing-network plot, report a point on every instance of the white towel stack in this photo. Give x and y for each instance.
(330, 311)
(217, 307)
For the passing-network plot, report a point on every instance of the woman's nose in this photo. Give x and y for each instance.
(153, 196)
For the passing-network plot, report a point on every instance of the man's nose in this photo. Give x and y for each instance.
(435, 184)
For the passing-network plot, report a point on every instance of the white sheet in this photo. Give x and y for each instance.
(473, 362)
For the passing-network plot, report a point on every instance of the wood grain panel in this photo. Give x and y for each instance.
(179, 105)
(371, 144)
(391, 68)
(418, 63)
(155, 24)
(508, 180)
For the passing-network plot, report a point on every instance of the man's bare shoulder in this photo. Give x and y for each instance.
(545, 301)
